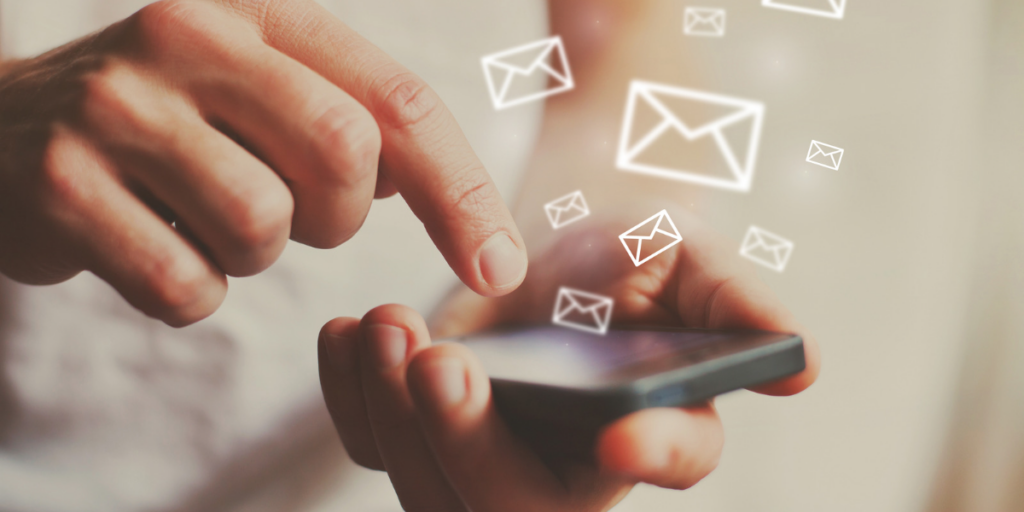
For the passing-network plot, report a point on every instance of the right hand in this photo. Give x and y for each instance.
(192, 140)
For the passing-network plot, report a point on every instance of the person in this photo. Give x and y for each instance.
(196, 417)
(189, 142)
(192, 140)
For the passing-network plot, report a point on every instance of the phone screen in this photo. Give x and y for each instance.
(563, 357)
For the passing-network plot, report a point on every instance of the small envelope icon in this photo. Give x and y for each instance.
(825, 155)
(767, 249)
(704, 21)
(527, 73)
(687, 124)
(650, 238)
(582, 311)
(824, 8)
(566, 209)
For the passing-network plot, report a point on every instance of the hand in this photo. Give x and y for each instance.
(192, 140)
(424, 414)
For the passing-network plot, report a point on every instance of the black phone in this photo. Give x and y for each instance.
(557, 387)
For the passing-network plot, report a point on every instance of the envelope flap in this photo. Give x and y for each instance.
(706, 15)
(526, 59)
(585, 302)
(826, 149)
(697, 116)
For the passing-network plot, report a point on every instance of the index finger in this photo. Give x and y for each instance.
(424, 152)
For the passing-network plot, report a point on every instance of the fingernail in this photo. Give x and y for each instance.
(339, 352)
(388, 345)
(501, 262)
(445, 381)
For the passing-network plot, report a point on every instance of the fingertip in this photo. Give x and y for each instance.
(385, 188)
(446, 382)
(338, 339)
(624, 449)
(673, 448)
(502, 264)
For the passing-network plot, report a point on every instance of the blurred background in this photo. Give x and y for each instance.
(907, 267)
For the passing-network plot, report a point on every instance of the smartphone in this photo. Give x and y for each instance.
(558, 387)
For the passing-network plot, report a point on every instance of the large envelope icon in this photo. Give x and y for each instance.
(582, 311)
(566, 209)
(825, 155)
(824, 8)
(766, 249)
(731, 153)
(704, 21)
(527, 73)
(650, 238)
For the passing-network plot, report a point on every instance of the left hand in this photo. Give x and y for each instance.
(425, 415)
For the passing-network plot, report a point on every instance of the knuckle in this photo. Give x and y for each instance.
(407, 102)
(108, 97)
(262, 219)
(176, 285)
(469, 196)
(60, 180)
(349, 134)
(163, 25)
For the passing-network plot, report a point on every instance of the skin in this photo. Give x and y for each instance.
(384, 382)
(191, 141)
(383, 379)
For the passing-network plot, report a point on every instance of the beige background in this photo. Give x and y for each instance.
(905, 264)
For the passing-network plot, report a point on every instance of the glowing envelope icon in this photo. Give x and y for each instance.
(824, 8)
(692, 136)
(512, 74)
(650, 238)
(583, 311)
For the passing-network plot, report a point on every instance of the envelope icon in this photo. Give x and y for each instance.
(527, 73)
(566, 209)
(767, 249)
(824, 8)
(704, 21)
(582, 311)
(825, 155)
(690, 136)
(650, 238)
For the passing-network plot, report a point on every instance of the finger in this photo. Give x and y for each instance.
(717, 290)
(673, 448)
(492, 470)
(385, 188)
(323, 143)
(128, 245)
(229, 200)
(338, 356)
(391, 336)
(428, 157)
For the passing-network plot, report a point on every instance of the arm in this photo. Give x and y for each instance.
(191, 141)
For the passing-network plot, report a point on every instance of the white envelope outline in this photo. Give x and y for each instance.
(825, 155)
(766, 249)
(745, 110)
(544, 49)
(641, 233)
(597, 307)
(567, 209)
(704, 21)
(829, 8)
